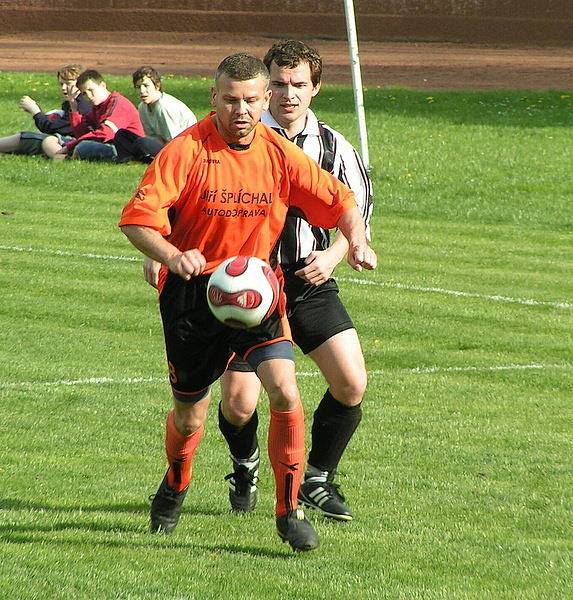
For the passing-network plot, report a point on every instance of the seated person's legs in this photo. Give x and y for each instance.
(52, 148)
(149, 148)
(10, 143)
(96, 151)
(125, 144)
(25, 142)
(131, 146)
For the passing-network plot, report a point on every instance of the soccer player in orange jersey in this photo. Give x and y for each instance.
(223, 188)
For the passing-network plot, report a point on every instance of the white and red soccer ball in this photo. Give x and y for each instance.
(243, 291)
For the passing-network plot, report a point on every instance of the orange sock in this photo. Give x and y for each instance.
(180, 450)
(286, 453)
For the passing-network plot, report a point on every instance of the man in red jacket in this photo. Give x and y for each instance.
(94, 132)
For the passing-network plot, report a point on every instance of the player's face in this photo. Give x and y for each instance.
(68, 87)
(96, 92)
(239, 106)
(293, 92)
(147, 90)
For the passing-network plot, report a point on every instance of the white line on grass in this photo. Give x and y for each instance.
(412, 371)
(31, 250)
(399, 286)
(436, 290)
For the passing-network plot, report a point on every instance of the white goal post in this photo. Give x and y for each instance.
(357, 80)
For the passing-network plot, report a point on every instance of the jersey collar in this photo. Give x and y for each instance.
(311, 127)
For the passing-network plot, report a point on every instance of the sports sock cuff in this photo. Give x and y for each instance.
(184, 444)
(288, 416)
(242, 441)
(226, 426)
(290, 424)
(332, 406)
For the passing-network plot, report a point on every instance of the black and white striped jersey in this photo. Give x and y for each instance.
(337, 156)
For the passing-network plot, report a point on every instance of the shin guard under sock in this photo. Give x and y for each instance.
(332, 427)
(180, 450)
(243, 440)
(286, 453)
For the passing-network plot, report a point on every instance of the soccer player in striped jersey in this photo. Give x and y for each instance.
(319, 322)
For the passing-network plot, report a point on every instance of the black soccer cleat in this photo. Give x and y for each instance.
(298, 531)
(320, 492)
(243, 483)
(166, 506)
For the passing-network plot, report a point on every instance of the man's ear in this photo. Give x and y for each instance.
(213, 95)
(267, 99)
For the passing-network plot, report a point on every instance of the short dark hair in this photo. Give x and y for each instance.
(70, 71)
(291, 53)
(242, 67)
(147, 71)
(89, 74)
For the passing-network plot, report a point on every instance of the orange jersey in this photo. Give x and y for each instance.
(199, 193)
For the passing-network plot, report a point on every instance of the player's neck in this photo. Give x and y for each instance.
(233, 140)
(293, 128)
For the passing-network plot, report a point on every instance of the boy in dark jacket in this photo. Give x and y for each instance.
(54, 122)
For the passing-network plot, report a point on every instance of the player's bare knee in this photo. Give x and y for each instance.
(187, 424)
(238, 414)
(284, 396)
(190, 416)
(350, 390)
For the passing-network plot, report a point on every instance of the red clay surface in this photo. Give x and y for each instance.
(429, 66)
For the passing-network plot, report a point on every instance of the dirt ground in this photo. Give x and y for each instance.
(431, 66)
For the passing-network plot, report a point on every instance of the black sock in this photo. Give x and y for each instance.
(332, 427)
(242, 441)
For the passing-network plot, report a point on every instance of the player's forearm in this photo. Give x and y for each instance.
(150, 242)
(352, 227)
(338, 248)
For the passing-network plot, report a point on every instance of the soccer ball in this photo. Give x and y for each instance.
(242, 292)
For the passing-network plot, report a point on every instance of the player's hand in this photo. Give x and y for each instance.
(187, 264)
(61, 154)
(361, 256)
(71, 95)
(29, 105)
(318, 269)
(151, 271)
(70, 92)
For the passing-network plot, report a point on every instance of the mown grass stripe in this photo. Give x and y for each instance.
(353, 280)
(374, 372)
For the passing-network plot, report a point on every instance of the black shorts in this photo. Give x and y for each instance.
(31, 143)
(199, 347)
(315, 314)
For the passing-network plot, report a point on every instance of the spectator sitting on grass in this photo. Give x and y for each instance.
(163, 117)
(54, 122)
(95, 131)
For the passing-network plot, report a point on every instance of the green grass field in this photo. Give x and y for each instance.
(461, 474)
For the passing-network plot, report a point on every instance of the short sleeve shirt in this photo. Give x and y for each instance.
(200, 193)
